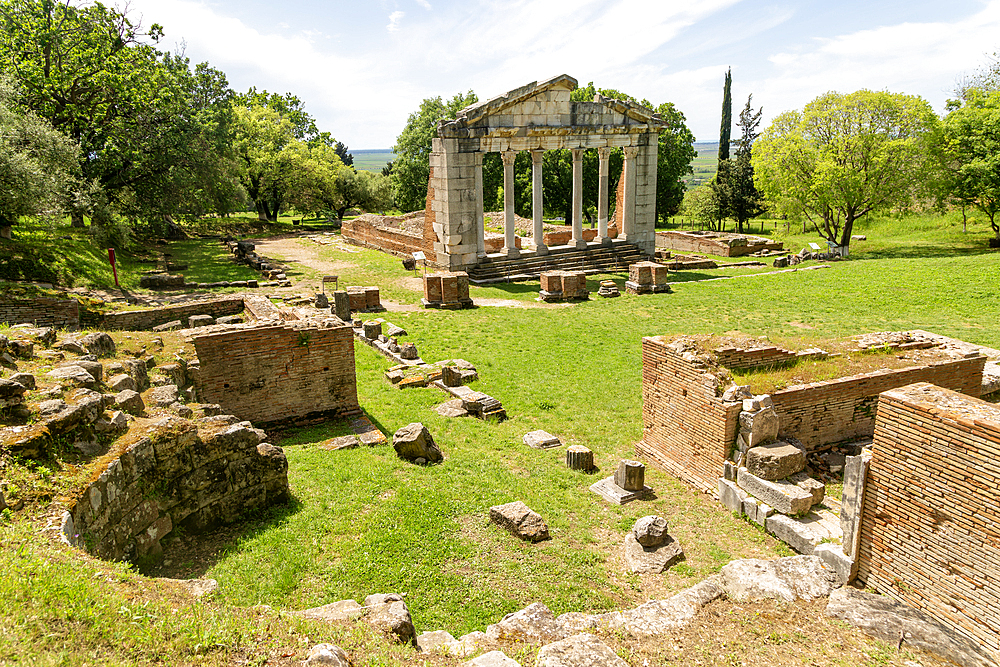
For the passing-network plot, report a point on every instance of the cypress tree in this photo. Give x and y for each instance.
(727, 116)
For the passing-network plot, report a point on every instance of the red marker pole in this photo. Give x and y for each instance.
(111, 258)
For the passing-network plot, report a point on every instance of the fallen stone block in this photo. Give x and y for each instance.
(389, 614)
(653, 559)
(889, 620)
(519, 520)
(776, 460)
(732, 496)
(541, 440)
(579, 457)
(413, 442)
(607, 489)
(578, 650)
(813, 486)
(788, 579)
(99, 344)
(793, 533)
(327, 654)
(344, 610)
(173, 325)
(833, 555)
(534, 624)
(493, 659)
(783, 496)
(436, 641)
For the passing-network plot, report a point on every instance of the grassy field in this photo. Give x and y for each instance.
(363, 521)
(372, 159)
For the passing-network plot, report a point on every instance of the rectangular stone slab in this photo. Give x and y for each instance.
(607, 489)
(784, 497)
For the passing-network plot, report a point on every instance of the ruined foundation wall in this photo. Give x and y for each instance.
(824, 413)
(394, 241)
(144, 320)
(41, 312)
(276, 372)
(713, 244)
(174, 474)
(930, 533)
(688, 430)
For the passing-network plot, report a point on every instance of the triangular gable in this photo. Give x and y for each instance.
(502, 103)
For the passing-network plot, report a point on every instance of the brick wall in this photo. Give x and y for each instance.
(757, 357)
(687, 429)
(712, 244)
(42, 312)
(832, 411)
(144, 320)
(394, 241)
(930, 532)
(271, 373)
(174, 473)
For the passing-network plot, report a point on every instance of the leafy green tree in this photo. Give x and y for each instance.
(411, 169)
(37, 163)
(844, 156)
(673, 160)
(261, 135)
(344, 156)
(733, 185)
(702, 204)
(969, 152)
(289, 107)
(726, 128)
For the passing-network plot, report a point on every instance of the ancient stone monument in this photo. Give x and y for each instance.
(539, 117)
(447, 289)
(626, 485)
(647, 277)
(563, 286)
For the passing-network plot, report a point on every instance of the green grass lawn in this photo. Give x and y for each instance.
(363, 521)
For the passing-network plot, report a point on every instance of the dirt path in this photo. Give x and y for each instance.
(289, 249)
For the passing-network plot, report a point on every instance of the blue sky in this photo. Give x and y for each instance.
(362, 66)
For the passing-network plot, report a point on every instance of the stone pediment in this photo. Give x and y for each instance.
(545, 108)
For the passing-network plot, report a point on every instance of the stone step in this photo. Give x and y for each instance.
(600, 259)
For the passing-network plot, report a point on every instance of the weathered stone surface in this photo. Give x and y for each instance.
(164, 396)
(630, 475)
(737, 392)
(452, 408)
(579, 457)
(783, 496)
(541, 440)
(408, 351)
(344, 610)
(27, 380)
(198, 588)
(327, 654)
(50, 407)
(74, 375)
(99, 344)
(121, 382)
(388, 613)
(852, 500)
(94, 368)
(467, 644)
(888, 620)
(776, 460)
(759, 427)
(607, 489)
(815, 487)
(833, 555)
(493, 659)
(519, 520)
(69, 344)
(793, 533)
(22, 348)
(195, 321)
(651, 560)
(659, 617)
(788, 579)
(9, 389)
(533, 625)
(173, 325)
(731, 496)
(650, 531)
(435, 641)
(582, 650)
(161, 281)
(451, 376)
(130, 401)
(414, 441)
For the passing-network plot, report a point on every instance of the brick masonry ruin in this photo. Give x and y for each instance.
(41, 312)
(272, 372)
(174, 473)
(689, 429)
(715, 243)
(930, 530)
(535, 118)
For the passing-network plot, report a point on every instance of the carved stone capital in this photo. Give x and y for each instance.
(604, 153)
(508, 158)
(631, 152)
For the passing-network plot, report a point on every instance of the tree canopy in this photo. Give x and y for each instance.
(969, 152)
(844, 156)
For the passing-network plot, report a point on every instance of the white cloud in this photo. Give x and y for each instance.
(423, 3)
(394, 20)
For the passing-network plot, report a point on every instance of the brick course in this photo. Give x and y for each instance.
(930, 533)
(277, 372)
(41, 312)
(144, 320)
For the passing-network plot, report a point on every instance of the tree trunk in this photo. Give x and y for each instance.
(4, 231)
(76, 219)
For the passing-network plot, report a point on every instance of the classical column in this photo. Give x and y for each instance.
(508, 204)
(480, 228)
(628, 198)
(603, 154)
(536, 202)
(577, 238)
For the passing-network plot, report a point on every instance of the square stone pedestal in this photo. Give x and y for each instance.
(448, 290)
(607, 489)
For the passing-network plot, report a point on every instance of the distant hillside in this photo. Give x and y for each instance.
(705, 165)
(372, 159)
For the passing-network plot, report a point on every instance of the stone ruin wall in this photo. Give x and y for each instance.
(363, 232)
(271, 373)
(689, 431)
(714, 243)
(41, 312)
(175, 473)
(930, 532)
(144, 320)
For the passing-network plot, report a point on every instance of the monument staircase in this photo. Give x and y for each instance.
(596, 258)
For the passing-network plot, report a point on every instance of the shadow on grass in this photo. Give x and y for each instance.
(924, 252)
(191, 555)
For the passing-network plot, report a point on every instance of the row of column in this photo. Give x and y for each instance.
(576, 238)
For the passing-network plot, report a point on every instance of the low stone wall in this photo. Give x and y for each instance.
(715, 243)
(758, 357)
(930, 528)
(174, 473)
(361, 231)
(41, 312)
(689, 430)
(823, 413)
(276, 372)
(144, 320)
